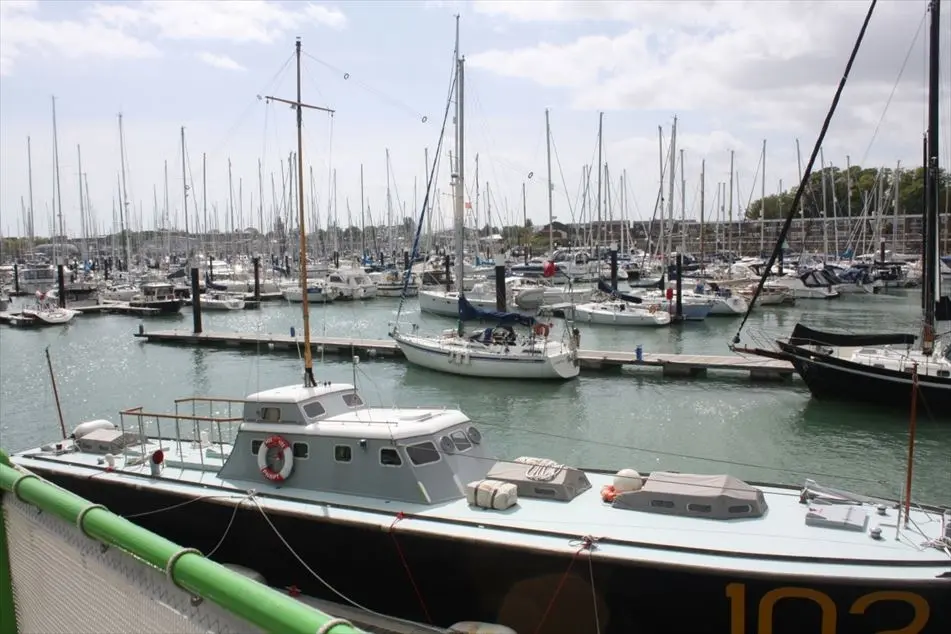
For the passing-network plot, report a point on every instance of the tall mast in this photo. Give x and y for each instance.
(363, 226)
(29, 161)
(261, 200)
(204, 192)
(600, 237)
(703, 186)
(672, 178)
(59, 193)
(185, 195)
(729, 203)
(460, 180)
(551, 217)
(930, 277)
(82, 207)
(123, 204)
(762, 205)
(298, 105)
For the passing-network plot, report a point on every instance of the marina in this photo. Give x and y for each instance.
(684, 365)
(446, 419)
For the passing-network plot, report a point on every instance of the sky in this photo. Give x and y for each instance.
(733, 73)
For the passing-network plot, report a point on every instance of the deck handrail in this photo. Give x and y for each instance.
(241, 596)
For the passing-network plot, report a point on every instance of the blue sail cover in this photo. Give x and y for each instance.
(604, 288)
(468, 312)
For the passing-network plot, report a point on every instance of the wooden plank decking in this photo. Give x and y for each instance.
(675, 365)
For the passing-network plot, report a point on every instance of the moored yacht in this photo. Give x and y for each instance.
(297, 471)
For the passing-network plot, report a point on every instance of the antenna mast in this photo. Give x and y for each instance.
(309, 380)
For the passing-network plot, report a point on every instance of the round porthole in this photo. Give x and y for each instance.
(445, 443)
(474, 435)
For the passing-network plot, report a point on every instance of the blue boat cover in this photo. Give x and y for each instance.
(604, 288)
(468, 312)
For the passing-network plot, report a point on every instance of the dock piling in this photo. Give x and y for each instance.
(500, 288)
(680, 279)
(196, 303)
(405, 260)
(61, 284)
(257, 278)
(449, 275)
(613, 266)
(16, 278)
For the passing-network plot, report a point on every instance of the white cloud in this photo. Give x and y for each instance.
(131, 30)
(774, 64)
(24, 32)
(228, 20)
(219, 61)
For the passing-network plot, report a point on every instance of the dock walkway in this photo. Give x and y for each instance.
(674, 365)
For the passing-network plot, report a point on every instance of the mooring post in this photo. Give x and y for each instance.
(680, 268)
(500, 288)
(61, 284)
(405, 260)
(211, 271)
(257, 278)
(613, 266)
(381, 259)
(196, 302)
(16, 278)
(336, 259)
(448, 274)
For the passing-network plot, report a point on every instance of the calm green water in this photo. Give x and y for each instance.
(772, 432)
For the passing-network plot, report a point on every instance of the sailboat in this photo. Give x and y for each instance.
(884, 368)
(496, 352)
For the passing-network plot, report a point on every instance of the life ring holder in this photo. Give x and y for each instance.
(276, 442)
(541, 330)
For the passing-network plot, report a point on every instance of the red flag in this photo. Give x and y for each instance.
(468, 205)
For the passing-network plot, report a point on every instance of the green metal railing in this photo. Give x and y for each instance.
(242, 597)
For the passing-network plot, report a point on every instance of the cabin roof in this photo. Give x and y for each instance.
(298, 393)
(384, 422)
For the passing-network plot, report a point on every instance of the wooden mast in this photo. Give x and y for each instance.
(309, 380)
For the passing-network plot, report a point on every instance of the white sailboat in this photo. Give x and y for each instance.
(216, 300)
(490, 352)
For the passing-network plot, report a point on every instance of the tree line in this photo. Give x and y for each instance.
(864, 183)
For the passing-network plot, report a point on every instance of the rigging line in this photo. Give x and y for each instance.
(247, 110)
(564, 184)
(777, 248)
(327, 585)
(393, 101)
(429, 188)
(891, 95)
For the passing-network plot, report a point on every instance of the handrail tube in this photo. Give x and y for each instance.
(245, 598)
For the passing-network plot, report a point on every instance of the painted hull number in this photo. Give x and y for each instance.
(828, 616)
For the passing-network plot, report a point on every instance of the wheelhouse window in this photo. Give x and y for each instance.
(422, 453)
(314, 409)
(461, 441)
(390, 457)
(343, 453)
(271, 414)
(256, 446)
(352, 400)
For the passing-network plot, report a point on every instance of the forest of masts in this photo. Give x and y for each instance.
(259, 214)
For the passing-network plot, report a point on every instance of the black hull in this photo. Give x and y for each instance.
(165, 307)
(460, 580)
(831, 378)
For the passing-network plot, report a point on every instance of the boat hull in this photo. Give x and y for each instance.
(831, 378)
(164, 307)
(414, 575)
(469, 362)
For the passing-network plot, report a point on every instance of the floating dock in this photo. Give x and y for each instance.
(674, 365)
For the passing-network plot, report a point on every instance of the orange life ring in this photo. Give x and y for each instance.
(287, 457)
(608, 493)
(541, 330)
(652, 309)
